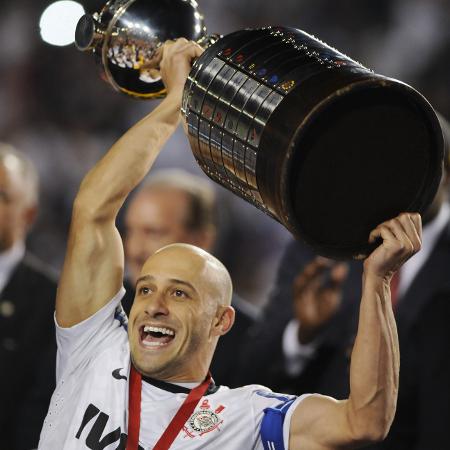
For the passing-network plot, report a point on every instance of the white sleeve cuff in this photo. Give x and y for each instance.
(296, 354)
(288, 417)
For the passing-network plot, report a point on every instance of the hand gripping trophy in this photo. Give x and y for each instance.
(314, 139)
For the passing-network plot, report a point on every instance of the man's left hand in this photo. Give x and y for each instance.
(402, 238)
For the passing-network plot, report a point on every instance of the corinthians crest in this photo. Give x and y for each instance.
(203, 421)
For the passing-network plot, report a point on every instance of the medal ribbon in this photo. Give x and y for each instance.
(176, 424)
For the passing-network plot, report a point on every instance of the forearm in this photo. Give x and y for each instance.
(106, 186)
(374, 369)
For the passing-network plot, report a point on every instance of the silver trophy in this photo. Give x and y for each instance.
(314, 139)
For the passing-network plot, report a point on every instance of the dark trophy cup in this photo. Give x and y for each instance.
(312, 138)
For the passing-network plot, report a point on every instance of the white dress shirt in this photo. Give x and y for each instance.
(8, 262)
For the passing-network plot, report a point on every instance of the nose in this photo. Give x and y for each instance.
(156, 306)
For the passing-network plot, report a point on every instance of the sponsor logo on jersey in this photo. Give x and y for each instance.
(203, 421)
(95, 434)
(117, 375)
(121, 317)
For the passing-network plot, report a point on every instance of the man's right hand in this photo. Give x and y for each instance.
(316, 299)
(176, 62)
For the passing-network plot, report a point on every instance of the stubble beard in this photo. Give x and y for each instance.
(174, 367)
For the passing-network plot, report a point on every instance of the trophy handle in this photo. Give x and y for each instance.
(89, 33)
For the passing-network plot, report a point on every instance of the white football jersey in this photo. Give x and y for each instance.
(89, 408)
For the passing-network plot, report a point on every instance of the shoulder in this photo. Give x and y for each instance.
(32, 285)
(245, 311)
(37, 271)
(257, 394)
(441, 248)
(434, 317)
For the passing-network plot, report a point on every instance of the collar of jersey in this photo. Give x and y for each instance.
(175, 388)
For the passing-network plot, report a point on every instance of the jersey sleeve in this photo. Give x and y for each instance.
(78, 344)
(273, 413)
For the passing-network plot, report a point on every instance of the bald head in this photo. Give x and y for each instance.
(206, 269)
(22, 170)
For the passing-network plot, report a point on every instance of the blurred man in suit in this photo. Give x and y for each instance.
(27, 296)
(309, 351)
(175, 206)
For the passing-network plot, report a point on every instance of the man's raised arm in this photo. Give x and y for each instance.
(321, 422)
(94, 262)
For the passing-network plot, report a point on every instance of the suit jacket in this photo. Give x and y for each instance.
(27, 333)
(424, 399)
(226, 357)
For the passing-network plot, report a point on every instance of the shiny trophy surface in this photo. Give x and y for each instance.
(312, 138)
(125, 35)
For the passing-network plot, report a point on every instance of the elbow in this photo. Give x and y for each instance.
(370, 427)
(84, 208)
(89, 206)
(370, 434)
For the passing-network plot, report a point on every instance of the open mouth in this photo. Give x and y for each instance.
(152, 336)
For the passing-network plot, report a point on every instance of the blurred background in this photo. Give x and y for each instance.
(57, 110)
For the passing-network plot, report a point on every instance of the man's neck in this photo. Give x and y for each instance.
(172, 386)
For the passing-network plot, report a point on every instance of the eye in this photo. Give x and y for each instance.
(180, 293)
(144, 290)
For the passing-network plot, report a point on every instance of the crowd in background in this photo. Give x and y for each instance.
(56, 110)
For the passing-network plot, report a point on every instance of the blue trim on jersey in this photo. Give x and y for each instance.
(270, 394)
(272, 426)
(119, 314)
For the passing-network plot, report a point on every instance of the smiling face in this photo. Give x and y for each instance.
(180, 310)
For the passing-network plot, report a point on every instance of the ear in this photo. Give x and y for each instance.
(224, 320)
(29, 216)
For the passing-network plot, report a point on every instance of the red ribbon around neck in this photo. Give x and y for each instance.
(176, 424)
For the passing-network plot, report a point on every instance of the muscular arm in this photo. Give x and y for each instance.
(321, 422)
(94, 263)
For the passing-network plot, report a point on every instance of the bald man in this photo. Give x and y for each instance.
(145, 384)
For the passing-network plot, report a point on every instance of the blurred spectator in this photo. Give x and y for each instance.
(310, 352)
(434, 81)
(175, 206)
(27, 296)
